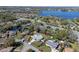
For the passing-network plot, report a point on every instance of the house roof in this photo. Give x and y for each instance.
(37, 37)
(68, 50)
(52, 43)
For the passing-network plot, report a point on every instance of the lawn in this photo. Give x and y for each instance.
(42, 48)
(75, 46)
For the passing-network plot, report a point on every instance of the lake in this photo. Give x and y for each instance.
(61, 14)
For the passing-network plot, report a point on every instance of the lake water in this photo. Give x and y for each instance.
(61, 14)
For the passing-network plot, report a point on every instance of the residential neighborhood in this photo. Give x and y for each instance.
(28, 29)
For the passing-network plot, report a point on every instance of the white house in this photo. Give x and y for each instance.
(37, 37)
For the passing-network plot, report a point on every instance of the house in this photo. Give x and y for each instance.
(71, 25)
(40, 27)
(68, 49)
(37, 37)
(76, 33)
(52, 43)
(12, 33)
(20, 19)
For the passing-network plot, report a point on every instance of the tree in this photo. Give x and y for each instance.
(8, 42)
(7, 17)
(60, 34)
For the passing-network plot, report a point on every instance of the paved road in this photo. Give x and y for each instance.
(8, 49)
(27, 46)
